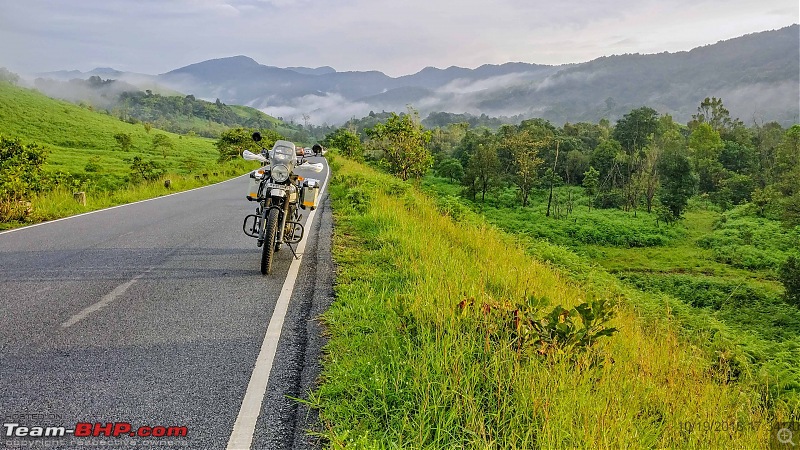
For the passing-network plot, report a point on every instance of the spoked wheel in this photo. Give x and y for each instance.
(270, 231)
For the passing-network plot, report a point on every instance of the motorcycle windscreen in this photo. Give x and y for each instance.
(283, 151)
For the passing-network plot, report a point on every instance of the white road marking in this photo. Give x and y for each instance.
(245, 425)
(108, 298)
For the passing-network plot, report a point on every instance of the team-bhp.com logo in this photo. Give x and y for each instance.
(85, 429)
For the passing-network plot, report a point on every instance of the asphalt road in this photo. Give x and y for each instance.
(153, 314)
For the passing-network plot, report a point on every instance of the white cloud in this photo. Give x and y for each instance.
(328, 108)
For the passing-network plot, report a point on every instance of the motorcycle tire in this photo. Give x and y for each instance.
(267, 253)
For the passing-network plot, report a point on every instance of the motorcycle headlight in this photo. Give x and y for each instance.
(279, 173)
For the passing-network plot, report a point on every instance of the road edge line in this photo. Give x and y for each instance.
(241, 437)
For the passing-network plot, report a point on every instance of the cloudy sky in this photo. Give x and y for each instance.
(396, 37)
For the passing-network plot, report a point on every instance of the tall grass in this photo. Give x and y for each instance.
(407, 365)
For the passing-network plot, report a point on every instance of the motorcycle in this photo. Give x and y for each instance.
(280, 194)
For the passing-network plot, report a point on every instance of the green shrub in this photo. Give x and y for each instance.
(790, 277)
(745, 241)
(20, 177)
(739, 304)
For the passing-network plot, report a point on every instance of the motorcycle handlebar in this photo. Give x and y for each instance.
(250, 156)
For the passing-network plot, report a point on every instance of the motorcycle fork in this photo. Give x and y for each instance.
(282, 225)
(284, 217)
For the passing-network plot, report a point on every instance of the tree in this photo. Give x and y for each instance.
(469, 144)
(577, 163)
(787, 162)
(764, 199)
(20, 169)
(706, 146)
(144, 170)
(523, 146)
(8, 76)
(634, 132)
(20, 176)
(482, 170)
(346, 141)
(768, 138)
(647, 179)
(712, 112)
(450, 168)
(636, 129)
(603, 159)
(734, 189)
(678, 182)
(163, 142)
(444, 140)
(790, 277)
(739, 158)
(124, 141)
(402, 140)
(787, 168)
(591, 181)
(667, 136)
(551, 177)
(233, 142)
(526, 164)
(588, 134)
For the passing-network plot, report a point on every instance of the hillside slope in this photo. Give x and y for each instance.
(76, 136)
(433, 342)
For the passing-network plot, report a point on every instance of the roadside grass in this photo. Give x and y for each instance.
(423, 353)
(61, 203)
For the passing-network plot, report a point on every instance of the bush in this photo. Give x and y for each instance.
(610, 199)
(145, 170)
(450, 205)
(790, 277)
(739, 304)
(20, 177)
(748, 242)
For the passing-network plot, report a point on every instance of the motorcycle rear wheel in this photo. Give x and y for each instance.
(267, 250)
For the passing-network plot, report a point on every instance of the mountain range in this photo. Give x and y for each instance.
(756, 75)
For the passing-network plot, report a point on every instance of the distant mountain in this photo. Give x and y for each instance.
(103, 72)
(757, 76)
(324, 70)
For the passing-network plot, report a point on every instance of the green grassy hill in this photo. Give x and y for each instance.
(165, 109)
(82, 154)
(75, 136)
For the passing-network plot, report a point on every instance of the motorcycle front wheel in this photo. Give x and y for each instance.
(270, 231)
